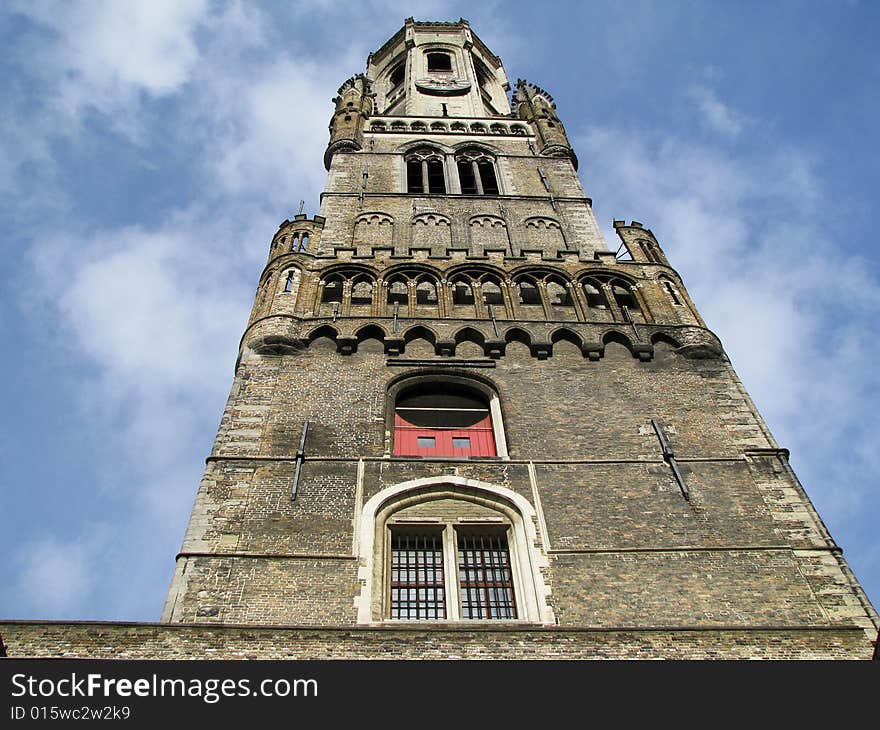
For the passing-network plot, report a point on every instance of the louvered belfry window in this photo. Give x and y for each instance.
(444, 420)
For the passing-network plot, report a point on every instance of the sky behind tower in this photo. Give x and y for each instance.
(150, 150)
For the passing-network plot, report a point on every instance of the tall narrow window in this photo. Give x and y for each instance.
(436, 179)
(288, 285)
(418, 585)
(467, 178)
(414, 176)
(487, 177)
(485, 577)
(671, 291)
(304, 242)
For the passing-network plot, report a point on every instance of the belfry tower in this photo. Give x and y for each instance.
(460, 425)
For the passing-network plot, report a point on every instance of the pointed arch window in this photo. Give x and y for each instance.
(624, 296)
(425, 172)
(362, 293)
(476, 173)
(398, 293)
(332, 291)
(594, 295)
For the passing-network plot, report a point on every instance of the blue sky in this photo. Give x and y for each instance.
(149, 151)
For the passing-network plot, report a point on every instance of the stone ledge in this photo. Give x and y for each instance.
(204, 641)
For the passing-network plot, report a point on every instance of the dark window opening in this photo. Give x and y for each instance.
(439, 62)
(467, 177)
(672, 294)
(397, 76)
(624, 297)
(426, 293)
(436, 179)
(418, 585)
(529, 294)
(462, 294)
(288, 285)
(332, 292)
(595, 297)
(485, 577)
(414, 176)
(443, 419)
(492, 294)
(398, 293)
(559, 295)
(487, 176)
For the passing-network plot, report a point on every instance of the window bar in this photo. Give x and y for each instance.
(669, 458)
(628, 317)
(300, 457)
(394, 321)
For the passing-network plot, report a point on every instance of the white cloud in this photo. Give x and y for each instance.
(787, 296)
(56, 577)
(715, 113)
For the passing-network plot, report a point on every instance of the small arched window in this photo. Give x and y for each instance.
(558, 295)
(443, 419)
(462, 293)
(439, 62)
(304, 242)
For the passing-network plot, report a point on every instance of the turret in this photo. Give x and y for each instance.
(537, 107)
(354, 105)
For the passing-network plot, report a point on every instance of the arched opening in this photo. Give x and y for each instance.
(425, 172)
(443, 419)
(362, 293)
(398, 293)
(332, 291)
(452, 549)
(594, 295)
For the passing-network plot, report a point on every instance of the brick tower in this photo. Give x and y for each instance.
(460, 425)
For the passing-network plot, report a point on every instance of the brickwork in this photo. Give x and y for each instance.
(202, 641)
